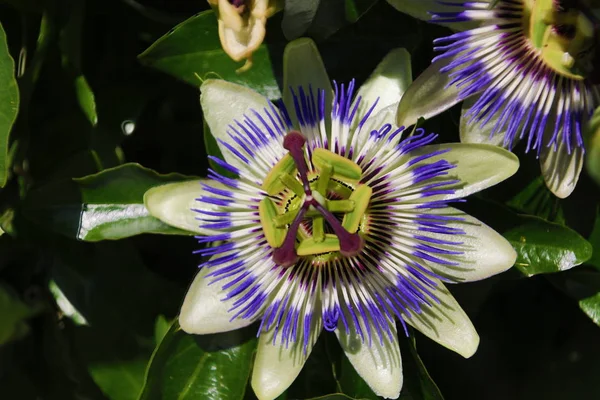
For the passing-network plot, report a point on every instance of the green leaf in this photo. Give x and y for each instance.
(541, 246)
(106, 205)
(544, 247)
(112, 288)
(192, 52)
(584, 286)
(120, 379)
(357, 8)
(9, 104)
(352, 384)
(333, 15)
(210, 367)
(26, 5)
(418, 384)
(14, 314)
(86, 99)
(592, 144)
(161, 327)
(70, 44)
(65, 306)
(595, 241)
(537, 200)
(297, 17)
(591, 307)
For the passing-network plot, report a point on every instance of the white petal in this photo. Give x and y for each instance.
(447, 324)
(478, 166)
(276, 366)
(375, 122)
(473, 132)
(379, 365)
(388, 82)
(485, 251)
(303, 66)
(223, 103)
(203, 310)
(173, 203)
(560, 169)
(297, 17)
(428, 95)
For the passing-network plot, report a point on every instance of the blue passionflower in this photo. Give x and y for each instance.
(529, 71)
(334, 222)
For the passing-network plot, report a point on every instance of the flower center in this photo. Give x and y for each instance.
(333, 201)
(565, 32)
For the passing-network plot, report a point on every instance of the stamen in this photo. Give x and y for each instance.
(286, 255)
(315, 204)
(294, 143)
(350, 243)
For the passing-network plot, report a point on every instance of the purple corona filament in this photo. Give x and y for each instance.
(522, 92)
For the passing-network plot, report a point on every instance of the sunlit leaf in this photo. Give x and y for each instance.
(211, 367)
(106, 205)
(541, 246)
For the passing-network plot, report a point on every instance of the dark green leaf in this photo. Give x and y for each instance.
(106, 205)
(210, 367)
(14, 315)
(9, 104)
(317, 375)
(110, 286)
(541, 246)
(26, 5)
(537, 200)
(335, 396)
(120, 379)
(192, 52)
(352, 384)
(418, 384)
(591, 307)
(595, 241)
(584, 286)
(120, 299)
(357, 8)
(335, 14)
(70, 38)
(298, 15)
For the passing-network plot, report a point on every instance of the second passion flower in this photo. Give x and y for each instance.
(333, 222)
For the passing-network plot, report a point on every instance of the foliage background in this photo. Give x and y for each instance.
(90, 104)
